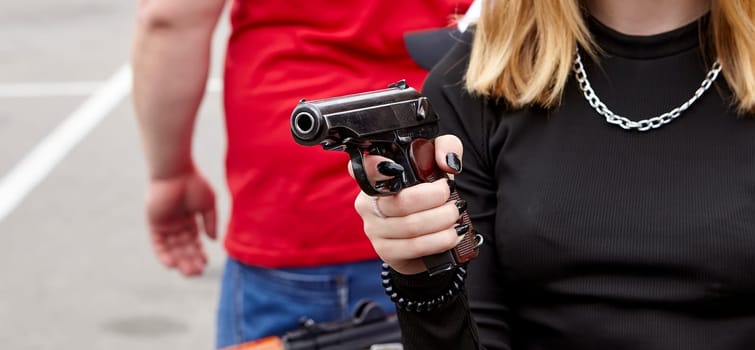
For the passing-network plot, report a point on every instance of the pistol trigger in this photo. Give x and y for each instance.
(357, 166)
(389, 186)
(375, 150)
(333, 146)
(404, 139)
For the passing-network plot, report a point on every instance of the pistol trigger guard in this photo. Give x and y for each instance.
(357, 166)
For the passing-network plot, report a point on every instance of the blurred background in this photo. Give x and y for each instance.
(76, 269)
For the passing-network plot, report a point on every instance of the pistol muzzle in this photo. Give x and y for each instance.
(307, 124)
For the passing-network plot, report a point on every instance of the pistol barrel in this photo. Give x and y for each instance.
(359, 115)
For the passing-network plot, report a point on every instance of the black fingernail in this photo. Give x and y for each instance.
(397, 186)
(452, 185)
(461, 205)
(461, 229)
(453, 161)
(388, 186)
(389, 168)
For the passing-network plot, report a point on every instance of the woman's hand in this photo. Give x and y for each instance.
(419, 220)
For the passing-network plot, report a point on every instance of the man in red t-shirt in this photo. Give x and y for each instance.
(296, 246)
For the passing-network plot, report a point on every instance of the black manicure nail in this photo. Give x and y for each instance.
(461, 229)
(452, 185)
(453, 161)
(461, 205)
(389, 168)
(388, 186)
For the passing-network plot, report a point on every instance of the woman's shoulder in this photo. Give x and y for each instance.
(452, 67)
(449, 72)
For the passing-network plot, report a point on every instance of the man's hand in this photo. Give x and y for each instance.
(177, 208)
(171, 60)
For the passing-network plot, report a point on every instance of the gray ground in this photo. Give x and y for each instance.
(76, 270)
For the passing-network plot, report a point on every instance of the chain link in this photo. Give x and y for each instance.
(645, 124)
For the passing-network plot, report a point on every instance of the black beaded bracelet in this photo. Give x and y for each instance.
(457, 287)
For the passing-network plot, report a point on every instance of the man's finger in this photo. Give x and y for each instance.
(210, 223)
(162, 249)
(165, 257)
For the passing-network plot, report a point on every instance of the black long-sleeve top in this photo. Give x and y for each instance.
(597, 237)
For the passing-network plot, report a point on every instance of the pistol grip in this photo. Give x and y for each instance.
(423, 161)
(439, 262)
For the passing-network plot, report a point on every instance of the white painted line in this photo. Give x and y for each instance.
(48, 89)
(33, 168)
(70, 88)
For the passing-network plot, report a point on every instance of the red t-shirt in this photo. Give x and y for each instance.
(294, 205)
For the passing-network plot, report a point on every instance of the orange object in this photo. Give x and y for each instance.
(267, 343)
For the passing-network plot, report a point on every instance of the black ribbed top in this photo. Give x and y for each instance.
(651, 46)
(598, 237)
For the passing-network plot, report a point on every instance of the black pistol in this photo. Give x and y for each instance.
(397, 123)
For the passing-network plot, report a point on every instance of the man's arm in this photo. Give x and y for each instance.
(171, 59)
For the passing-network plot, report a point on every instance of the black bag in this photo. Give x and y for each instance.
(369, 326)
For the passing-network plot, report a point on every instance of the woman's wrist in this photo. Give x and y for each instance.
(421, 292)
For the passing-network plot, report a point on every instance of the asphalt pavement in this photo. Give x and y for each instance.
(76, 267)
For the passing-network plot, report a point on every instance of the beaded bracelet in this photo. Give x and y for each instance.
(423, 305)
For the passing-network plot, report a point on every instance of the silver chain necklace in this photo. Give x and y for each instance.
(645, 124)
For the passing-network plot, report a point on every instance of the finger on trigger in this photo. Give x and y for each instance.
(371, 163)
(209, 222)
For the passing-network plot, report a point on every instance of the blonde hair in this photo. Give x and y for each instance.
(524, 49)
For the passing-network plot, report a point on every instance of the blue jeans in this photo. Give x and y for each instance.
(258, 302)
